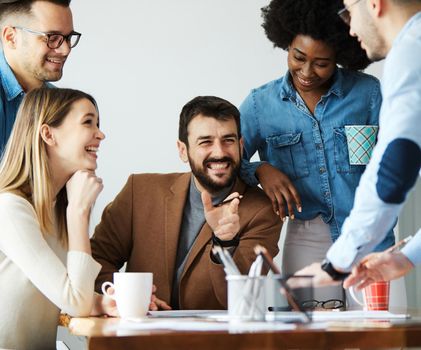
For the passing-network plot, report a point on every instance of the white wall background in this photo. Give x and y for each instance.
(144, 59)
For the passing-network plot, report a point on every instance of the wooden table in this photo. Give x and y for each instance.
(371, 335)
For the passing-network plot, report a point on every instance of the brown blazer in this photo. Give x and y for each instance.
(141, 227)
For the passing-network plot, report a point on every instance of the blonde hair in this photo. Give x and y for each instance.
(24, 168)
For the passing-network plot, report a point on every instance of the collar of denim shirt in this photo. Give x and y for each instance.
(10, 84)
(337, 88)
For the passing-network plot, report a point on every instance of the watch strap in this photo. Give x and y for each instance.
(226, 244)
(330, 270)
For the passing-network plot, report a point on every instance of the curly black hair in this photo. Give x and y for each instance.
(283, 20)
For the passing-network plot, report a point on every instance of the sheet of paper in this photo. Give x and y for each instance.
(287, 316)
(327, 316)
(195, 325)
(218, 320)
(356, 314)
(186, 313)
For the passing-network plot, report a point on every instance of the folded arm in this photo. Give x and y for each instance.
(69, 288)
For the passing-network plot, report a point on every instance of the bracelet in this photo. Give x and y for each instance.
(230, 246)
(225, 244)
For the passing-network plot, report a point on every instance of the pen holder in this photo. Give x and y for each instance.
(246, 297)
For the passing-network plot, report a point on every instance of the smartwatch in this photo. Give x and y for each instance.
(330, 270)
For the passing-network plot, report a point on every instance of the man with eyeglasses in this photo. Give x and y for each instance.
(388, 29)
(36, 37)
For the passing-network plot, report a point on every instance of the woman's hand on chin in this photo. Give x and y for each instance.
(82, 190)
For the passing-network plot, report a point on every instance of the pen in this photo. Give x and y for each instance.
(225, 201)
(229, 264)
(399, 244)
(260, 250)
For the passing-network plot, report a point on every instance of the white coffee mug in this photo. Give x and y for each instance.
(132, 292)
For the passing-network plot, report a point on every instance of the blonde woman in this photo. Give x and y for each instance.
(47, 188)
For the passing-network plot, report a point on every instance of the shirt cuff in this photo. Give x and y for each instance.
(413, 248)
(343, 253)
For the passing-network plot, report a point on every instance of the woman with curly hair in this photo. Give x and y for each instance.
(297, 125)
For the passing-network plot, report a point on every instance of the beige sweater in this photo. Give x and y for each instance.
(35, 283)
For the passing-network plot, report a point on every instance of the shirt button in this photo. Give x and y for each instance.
(319, 146)
(327, 194)
(321, 171)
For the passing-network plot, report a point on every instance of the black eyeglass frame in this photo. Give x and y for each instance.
(316, 303)
(344, 14)
(49, 35)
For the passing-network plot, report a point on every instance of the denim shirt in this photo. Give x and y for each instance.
(11, 95)
(311, 149)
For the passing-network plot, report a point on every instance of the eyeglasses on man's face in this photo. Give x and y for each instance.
(331, 304)
(54, 40)
(344, 13)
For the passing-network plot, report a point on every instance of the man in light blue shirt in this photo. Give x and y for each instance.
(389, 28)
(36, 37)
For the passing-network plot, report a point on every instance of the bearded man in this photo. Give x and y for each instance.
(167, 224)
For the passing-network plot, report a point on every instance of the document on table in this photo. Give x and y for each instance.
(218, 320)
(220, 315)
(325, 316)
(184, 324)
(356, 314)
(187, 313)
(287, 316)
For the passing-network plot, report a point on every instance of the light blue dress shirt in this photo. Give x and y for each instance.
(11, 95)
(311, 149)
(395, 163)
(413, 249)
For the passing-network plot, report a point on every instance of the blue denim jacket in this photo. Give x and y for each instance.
(311, 149)
(11, 95)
